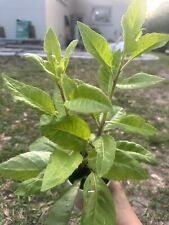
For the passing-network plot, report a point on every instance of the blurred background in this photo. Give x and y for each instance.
(27, 21)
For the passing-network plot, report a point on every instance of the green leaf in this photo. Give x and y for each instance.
(69, 132)
(89, 99)
(30, 95)
(117, 56)
(73, 125)
(58, 102)
(60, 166)
(96, 45)
(116, 113)
(132, 22)
(50, 68)
(30, 187)
(149, 42)
(46, 119)
(45, 65)
(133, 124)
(126, 167)
(104, 75)
(67, 141)
(69, 87)
(43, 144)
(107, 75)
(61, 211)
(98, 203)
(69, 51)
(52, 45)
(35, 58)
(91, 159)
(139, 80)
(24, 166)
(136, 151)
(105, 147)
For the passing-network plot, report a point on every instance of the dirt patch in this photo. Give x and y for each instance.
(19, 127)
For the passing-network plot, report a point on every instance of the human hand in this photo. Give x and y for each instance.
(124, 212)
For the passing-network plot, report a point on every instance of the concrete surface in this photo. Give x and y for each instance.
(77, 54)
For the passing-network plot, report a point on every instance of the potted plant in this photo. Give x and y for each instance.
(68, 148)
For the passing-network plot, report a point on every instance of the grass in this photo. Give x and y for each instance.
(19, 127)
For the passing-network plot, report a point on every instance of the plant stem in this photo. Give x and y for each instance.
(126, 64)
(63, 95)
(114, 83)
(100, 129)
(95, 120)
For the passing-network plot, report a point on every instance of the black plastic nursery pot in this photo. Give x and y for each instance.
(81, 174)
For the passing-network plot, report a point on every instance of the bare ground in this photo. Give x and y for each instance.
(19, 127)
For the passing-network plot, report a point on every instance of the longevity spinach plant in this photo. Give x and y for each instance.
(68, 149)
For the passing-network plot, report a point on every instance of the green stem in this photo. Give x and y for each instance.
(100, 129)
(126, 64)
(95, 120)
(63, 95)
(102, 123)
